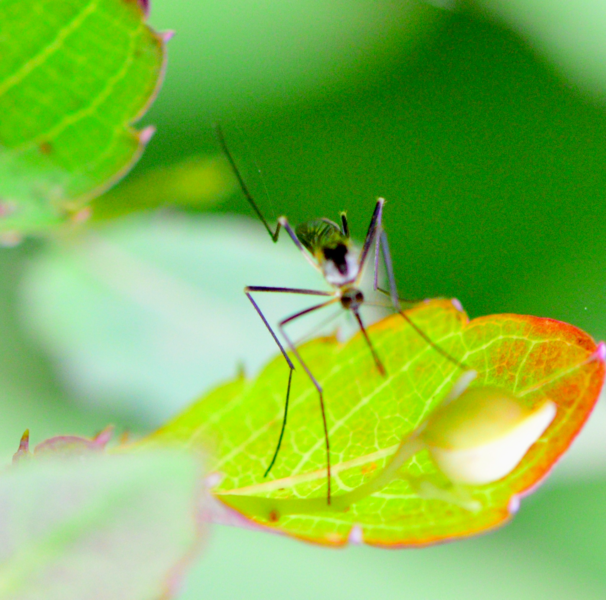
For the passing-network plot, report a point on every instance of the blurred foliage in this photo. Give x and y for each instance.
(491, 158)
(553, 549)
(141, 315)
(196, 182)
(569, 34)
(73, 77)
(96, 526)
(491, 164)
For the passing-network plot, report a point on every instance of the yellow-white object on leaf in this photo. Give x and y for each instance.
(483, 435)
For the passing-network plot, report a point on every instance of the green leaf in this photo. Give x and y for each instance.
(104, 527)
(73, 77)
(368, 416)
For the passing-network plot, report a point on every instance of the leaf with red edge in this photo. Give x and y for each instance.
(63, 445)
(530, 358)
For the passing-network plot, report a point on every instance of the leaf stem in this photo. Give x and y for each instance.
(272, 509)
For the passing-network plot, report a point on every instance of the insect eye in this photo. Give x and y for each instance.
(359, 296)
(336, 254)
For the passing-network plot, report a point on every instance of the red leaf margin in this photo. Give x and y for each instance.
(522, 482)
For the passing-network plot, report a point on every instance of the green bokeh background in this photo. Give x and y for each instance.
(491, 155)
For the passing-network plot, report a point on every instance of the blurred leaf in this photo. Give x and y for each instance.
(196, 182)
(142, 315)
(278, 53)
(368, 415)
(569, 34)
(104, 527)
(63, 445)
(73, 77)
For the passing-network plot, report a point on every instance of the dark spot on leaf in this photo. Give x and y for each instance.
(45, 148)
(274, 516)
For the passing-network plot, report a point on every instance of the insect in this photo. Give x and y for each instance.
(328, 248)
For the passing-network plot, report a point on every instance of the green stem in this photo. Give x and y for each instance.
(272, 509)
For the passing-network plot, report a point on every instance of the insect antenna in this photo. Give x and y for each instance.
(219, 133)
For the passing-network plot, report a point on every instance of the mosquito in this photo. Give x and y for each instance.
(328, 248)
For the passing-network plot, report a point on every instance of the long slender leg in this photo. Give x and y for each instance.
(258, 288)
(396, 302)
(285, 290)
(375, 279)
(375, 356)
(372, 235)
(318, 387)
(382, 243)
(393, 290)
(375, 223)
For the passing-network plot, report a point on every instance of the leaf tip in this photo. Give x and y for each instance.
(23, 450)
(457, 304)
(514, 504)
(102, 438)
(356, 536)
(167, 35)
(213, 480)
(144, 4)
(81, 216)
(146, 134)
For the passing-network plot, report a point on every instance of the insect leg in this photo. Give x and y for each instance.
(373, 235)
(375, 225)
(258, 288)
(393, 293)
(318, 387)
(375, 356)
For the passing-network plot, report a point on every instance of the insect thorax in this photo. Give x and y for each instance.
(331, 248)
(351, 298)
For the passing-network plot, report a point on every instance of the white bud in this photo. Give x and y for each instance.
(483, 435)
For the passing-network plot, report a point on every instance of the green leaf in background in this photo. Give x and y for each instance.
(74, 75)
(532, 358)
(143, 314)
(569, 34)
(196, 182)
(103, 527)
